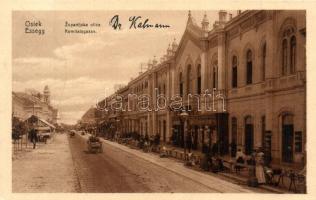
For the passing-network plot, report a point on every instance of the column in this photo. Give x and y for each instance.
(154, 114)
(169, 95)
(172, 77)
(221, 61)
(204, 73)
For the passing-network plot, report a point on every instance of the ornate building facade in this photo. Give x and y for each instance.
(256, 60)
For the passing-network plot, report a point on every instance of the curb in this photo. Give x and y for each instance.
(244, 181)
(204, 176)
(178, 156)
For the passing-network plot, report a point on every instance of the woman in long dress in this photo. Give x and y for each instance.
(259, 167)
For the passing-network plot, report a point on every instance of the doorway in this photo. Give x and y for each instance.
(249, 138)
(233, 144)
(287, 138)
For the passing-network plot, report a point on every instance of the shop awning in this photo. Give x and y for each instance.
(34, 118)
(46, 122)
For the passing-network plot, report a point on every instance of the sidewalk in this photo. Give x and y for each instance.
(242, 177)
(177, 167)
(228, 180)
(20, 150)
(48, 168)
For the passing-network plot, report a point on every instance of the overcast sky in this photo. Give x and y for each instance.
(79, 68)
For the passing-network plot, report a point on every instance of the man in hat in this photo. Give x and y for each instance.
(33, 136)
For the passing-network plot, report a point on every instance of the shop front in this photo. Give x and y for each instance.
(204, 130)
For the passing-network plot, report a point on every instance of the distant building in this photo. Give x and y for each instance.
(31, 102)
(90, 117)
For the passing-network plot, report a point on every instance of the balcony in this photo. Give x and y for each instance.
(270, 85)
(287, 82)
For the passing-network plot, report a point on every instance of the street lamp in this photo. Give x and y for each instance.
(117, 127)
(184, 115)
(209, 135)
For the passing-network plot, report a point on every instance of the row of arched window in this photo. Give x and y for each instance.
(189, 79)
(249, 67)
(288, 65)
(288, 53)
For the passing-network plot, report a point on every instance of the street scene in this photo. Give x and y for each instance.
(117, 169)
(159, 102)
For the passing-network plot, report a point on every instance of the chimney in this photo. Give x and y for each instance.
(238, 12)
(222, 14)
(230, 16)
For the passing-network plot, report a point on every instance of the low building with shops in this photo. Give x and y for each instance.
(31, 102)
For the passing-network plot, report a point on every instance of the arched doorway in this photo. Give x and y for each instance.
(249, 138)
(287, 138)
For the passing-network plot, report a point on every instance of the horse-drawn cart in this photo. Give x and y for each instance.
(94, 145)
(72, 133)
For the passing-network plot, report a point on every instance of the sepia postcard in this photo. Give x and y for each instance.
(183, 101)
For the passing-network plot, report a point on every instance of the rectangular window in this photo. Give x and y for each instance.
(298, 141)
(199, 85)
(181, 89)
(267, 142)
(234, 78)
(214, 77)
(249, 73)
(263, 130)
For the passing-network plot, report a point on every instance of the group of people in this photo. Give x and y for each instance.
(256, 159)
(144, 141)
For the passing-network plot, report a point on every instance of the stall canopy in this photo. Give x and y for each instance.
(47, 123)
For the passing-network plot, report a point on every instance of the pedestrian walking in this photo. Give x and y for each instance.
(33, 136)
(260, 175)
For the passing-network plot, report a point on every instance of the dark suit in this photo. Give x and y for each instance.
(33, 137)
